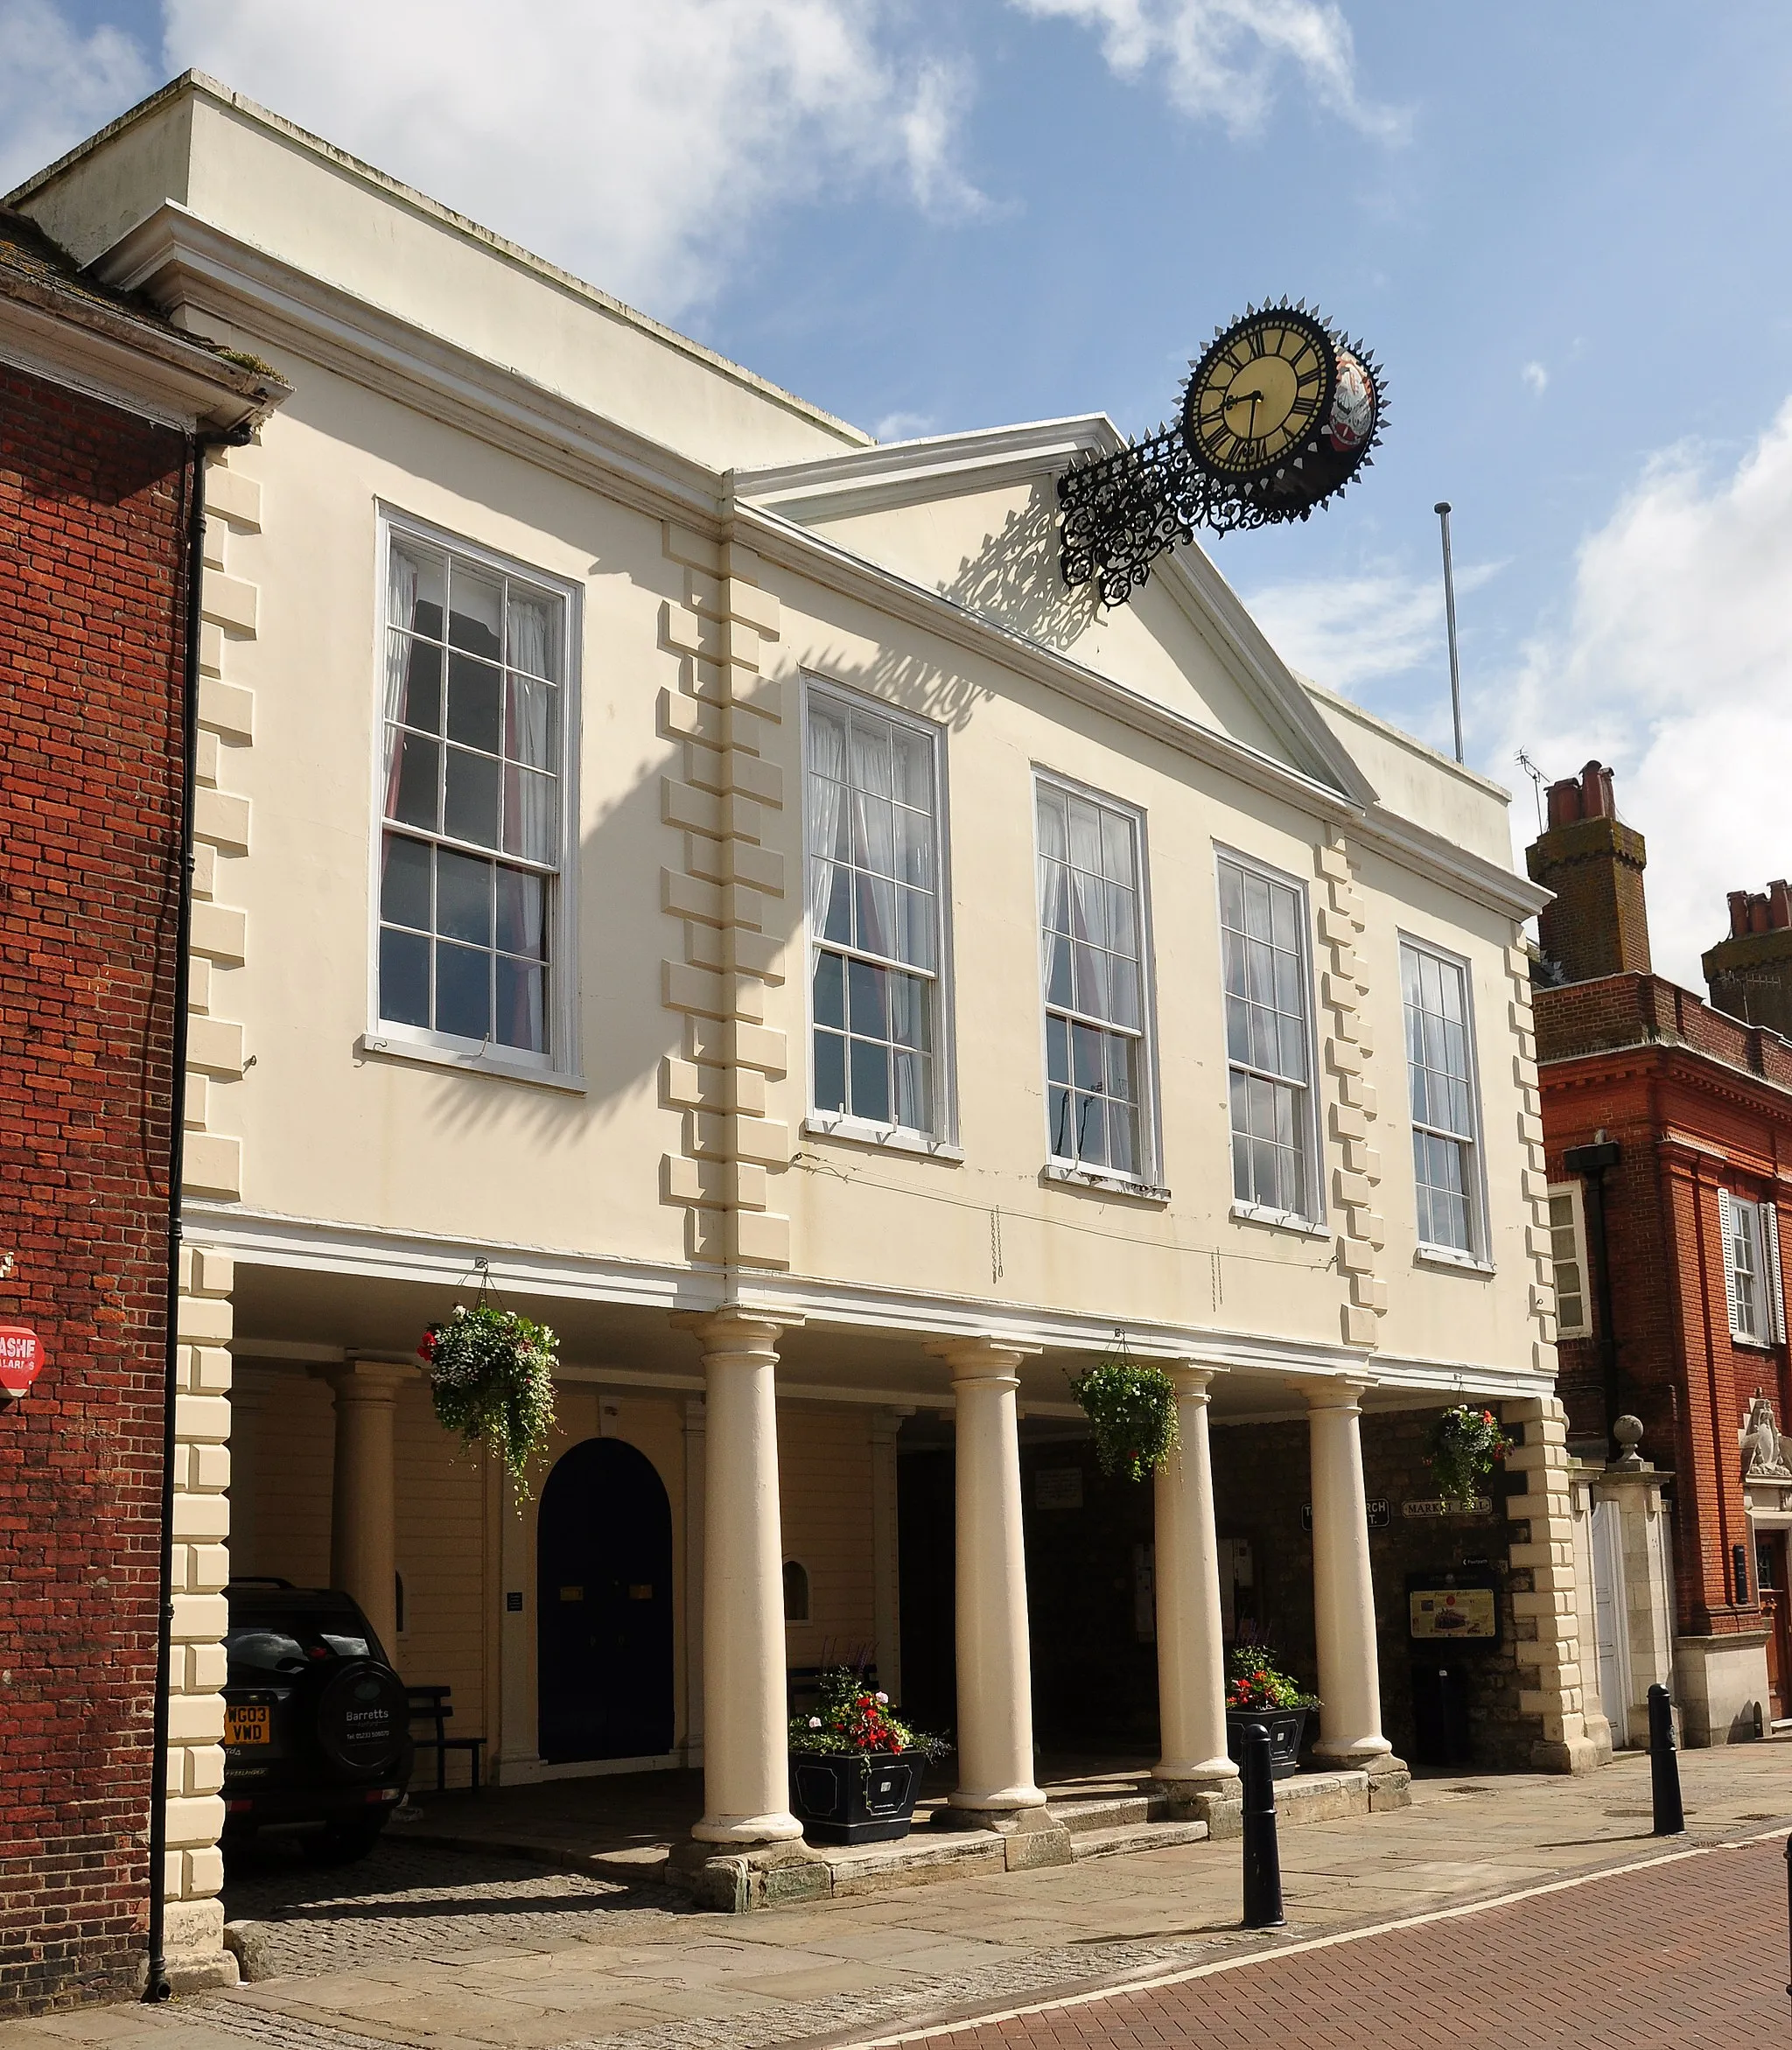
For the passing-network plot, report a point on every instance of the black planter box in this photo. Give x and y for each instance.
(1285, 1727)
(855, 1797)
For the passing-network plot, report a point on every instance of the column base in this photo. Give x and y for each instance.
(1211, 1792)
(779, 1826)
(748, 1877)
(1034, 1835)
(193, 1947)
(1353, 1754)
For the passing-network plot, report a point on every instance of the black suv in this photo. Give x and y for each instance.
(317, 1725)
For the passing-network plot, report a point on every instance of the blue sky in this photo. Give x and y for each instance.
(1560, 227)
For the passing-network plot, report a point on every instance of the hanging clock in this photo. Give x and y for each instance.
(1279, 415)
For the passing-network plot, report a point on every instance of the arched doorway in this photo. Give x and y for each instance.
(603, 1606)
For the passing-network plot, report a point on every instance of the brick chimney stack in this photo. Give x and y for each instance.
(1599, 924)
(1750, 974)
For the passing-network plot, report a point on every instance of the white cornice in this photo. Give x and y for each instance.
(200, 86)
(313, 1245)
(142, 369)
(183, 261)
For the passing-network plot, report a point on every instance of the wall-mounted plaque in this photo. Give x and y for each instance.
(1057, 1487)
(1453, 1608)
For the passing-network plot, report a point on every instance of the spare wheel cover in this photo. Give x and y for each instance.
(363, 1715)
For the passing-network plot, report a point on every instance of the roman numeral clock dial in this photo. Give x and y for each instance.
(1277, 416)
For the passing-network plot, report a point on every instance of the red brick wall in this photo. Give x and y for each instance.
(1695, 1101)
(91, 526)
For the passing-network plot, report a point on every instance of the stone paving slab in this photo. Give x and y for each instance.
(433, 1949)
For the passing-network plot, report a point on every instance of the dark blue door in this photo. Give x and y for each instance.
(604, 1605)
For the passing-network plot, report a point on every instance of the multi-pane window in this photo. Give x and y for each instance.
(1092, 946)
(470, 852)
(1440, 1072)
(1263, 955)
(1568, 1255)
(874, 915)
(1752, 1280)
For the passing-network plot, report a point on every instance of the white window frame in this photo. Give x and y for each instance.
(1577, 1231)
(1760, 1221)
(836, 1125)
(1312, 1149)
(560, 1066)
(1148, 1182)
(1474, 1182)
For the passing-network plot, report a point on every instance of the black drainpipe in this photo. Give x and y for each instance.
(156, 1987)
(1592, 1164)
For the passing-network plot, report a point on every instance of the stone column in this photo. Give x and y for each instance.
(696, 1425)
(1343, 1591)
(746, 1784)
(364, 1501)
(1191, 1644)
(887, 1605)
(995, 1679)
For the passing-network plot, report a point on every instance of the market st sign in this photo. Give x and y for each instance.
(21, 1359)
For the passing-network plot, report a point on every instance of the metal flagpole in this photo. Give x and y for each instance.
(1442, 509)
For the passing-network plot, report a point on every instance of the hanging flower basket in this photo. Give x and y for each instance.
(492, 1380)
(1466, 1446)
(1131, 1409)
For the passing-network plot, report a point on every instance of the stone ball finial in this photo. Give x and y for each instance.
(1628, 1432)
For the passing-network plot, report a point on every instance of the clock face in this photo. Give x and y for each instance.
(1261, 394)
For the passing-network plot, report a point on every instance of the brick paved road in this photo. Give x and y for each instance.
(1690, 1954)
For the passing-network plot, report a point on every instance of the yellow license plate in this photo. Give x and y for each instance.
(248, 1725)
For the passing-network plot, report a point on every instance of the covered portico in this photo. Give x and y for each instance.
(768, 1434)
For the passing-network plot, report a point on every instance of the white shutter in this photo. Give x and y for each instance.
(1726, 1225)
(1777, 1294)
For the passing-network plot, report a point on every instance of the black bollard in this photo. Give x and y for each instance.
(1263, 1861)
(1665, 1764)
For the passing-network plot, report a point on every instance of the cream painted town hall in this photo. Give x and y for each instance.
(697, 873)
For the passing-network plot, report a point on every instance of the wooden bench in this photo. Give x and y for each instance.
(430, 1704)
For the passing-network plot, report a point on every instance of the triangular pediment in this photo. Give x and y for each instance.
(974, 518)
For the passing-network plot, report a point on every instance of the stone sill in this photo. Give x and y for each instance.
(379, 1046)
(881, 1138)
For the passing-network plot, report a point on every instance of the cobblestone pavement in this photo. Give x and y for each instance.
(1689, 1954)
(432, 1949)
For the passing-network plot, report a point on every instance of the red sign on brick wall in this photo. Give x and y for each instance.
(21, 1359)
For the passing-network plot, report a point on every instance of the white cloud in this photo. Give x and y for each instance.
(1219, 59)
(1675, 667)
(639, 144)
(1537, 377)
(903, 426)
(1379, 625)
(57, 86)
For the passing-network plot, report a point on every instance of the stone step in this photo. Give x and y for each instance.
(1109, 1812)
(1109, 1843)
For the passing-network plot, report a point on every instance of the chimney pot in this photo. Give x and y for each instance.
(1779, 903)
(1598, 923)
(1565, 803)
(1757, 914)
(1739, 913)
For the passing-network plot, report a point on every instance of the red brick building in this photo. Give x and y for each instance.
(1668, 1128)
(101, 402)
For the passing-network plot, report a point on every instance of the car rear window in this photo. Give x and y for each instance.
(260, 1648)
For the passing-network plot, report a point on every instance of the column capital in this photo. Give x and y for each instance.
(367, 1381)
(981, 1359)
(1190, 1378)
(744, 1330)
(1338, 1391)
